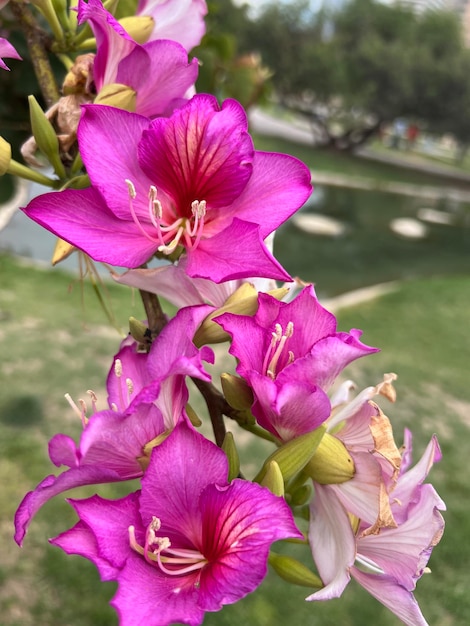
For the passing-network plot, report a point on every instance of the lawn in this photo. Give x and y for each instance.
(52, 343)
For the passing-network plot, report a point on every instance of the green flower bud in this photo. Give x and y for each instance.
(237, 392)
(45, 136)
(273, 479)
(193, 416)
(139, 330)
(117, 95)
(293, 571)
(230, 449)
(331, 464)
(301, 495)
(139, 27)
(293, 455)
(5, 156)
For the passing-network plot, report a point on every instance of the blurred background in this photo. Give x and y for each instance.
(375, 98)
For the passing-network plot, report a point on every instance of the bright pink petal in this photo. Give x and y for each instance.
(159, 72)
(108, 139)
(8, 51)
(203, 152)
(82, 218)
(332, 542)
(246, 256)
(127, 376)
(63, 451)
(280, 184)
(238, 530)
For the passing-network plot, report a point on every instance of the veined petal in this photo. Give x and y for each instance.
(127, 375)
(392, 595)
(108, 139)
(238, 530)
(174, 480)
(216, 260)
(82, 218)
(203, 152)
(332, 542)
(63, 451)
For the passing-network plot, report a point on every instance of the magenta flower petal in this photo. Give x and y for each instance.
(82, 218)
(203, 152)
(8, 51)
(215, 260)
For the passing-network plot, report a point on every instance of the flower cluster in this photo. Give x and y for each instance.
(154, 172)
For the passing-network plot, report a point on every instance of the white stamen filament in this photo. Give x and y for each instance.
(276, 349)
(80, 412)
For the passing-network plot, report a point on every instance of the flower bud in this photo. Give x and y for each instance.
(237, 392)
(119, 96)
(45, 136)
(62, 251)
(301, 495)
(139, 27)
(293, 455)
(230, 449)
(273, 479)
(331, 464)
(139, 330)
(193, 416)
(293, 571)
(5, 156)
(244, 301)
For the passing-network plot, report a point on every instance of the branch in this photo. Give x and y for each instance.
(37, 39)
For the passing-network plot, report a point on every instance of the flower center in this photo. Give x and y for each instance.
(125, 386)
(158, 552)
(183, 230)
(277, 356)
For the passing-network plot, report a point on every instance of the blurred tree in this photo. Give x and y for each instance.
(366, 64)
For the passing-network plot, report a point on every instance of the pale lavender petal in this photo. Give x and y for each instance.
(246, 256)
(392, 595)
(238, 530)
(179, 20)
(82, 218)
(174, 480)
(332, 542)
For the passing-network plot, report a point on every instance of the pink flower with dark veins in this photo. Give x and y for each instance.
(188, 543)
(192, 182)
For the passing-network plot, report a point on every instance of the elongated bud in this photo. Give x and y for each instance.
(293, 455)
(237, 392)
(139, 27)
(193, 416)
(273, 479)
(45, 136)
(230, 449)
(5, 156)
(138, 330)
(62, 251)
(243, 301)
(331, 464)
(119, 96)
(144, 460)
(293, 571)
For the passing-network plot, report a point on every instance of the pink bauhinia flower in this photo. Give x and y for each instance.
(389, 563)
(147, 397)
(158, 72)
(7, 51)
(188, 543)
(180, 20)
(290, 354)
(192, 181)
